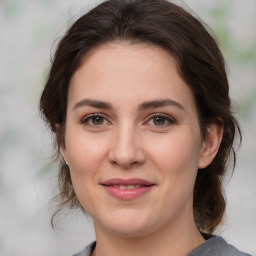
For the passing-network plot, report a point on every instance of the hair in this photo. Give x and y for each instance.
(199, 63)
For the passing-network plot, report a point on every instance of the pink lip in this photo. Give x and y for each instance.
(112, 188)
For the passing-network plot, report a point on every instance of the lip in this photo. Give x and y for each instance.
(142, 187)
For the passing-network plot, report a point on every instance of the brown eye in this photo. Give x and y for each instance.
(94, 120)
(97, 120)
(159, 120)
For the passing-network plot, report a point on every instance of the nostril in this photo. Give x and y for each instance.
(126, 154)
(123, 164)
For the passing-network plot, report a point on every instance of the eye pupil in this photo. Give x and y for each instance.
(97, 120)
(159, 120)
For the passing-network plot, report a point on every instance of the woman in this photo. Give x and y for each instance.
(137, 99)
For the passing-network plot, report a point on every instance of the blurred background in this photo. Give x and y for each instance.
(28, 33)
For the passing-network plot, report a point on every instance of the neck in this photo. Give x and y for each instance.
(173, 240)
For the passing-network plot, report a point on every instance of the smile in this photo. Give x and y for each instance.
(127, 189)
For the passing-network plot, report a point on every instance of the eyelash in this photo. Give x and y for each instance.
(167, 119)
(87, 119)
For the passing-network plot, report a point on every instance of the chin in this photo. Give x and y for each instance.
(130, 231)
(128, 224)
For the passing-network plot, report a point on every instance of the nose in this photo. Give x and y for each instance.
(126, 148)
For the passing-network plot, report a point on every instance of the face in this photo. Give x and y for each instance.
(132, 140)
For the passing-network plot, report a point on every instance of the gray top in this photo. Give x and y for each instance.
(214, 246)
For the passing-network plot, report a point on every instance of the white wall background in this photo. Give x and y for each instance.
(28, 29)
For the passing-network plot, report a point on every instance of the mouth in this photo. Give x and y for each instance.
(129, 186)
(127, 182)
(127, 189)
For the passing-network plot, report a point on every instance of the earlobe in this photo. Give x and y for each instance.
(63, 153)
(60, 141)
(211, 144)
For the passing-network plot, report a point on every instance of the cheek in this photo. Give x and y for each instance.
(84, 152)
(176, 158)
(85, 155)
(177, 153)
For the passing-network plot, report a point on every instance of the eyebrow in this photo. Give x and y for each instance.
(143, 106)
(93, 103)
(160, 103)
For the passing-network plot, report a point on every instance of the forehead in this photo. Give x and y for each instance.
(123, 70)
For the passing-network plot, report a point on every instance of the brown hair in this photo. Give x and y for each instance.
(200, 64)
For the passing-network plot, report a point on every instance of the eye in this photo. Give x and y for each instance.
(160, 120)
(95, 120)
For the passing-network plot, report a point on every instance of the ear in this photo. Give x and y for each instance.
(61, 142)
(211, 143)
(63, 153)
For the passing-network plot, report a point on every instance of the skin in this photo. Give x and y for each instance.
(126, 140)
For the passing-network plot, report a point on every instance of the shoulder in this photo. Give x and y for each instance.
(216, 246)
(87, 251)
